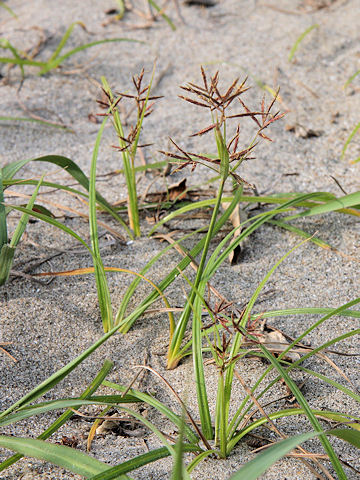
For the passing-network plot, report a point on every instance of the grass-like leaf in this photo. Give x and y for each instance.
(35, 120)
(8, 251)
(73, 460)
(256, 467)
(100, 275)
(140, 461)
(58, 61)
(350, 79)
(8, 9)
(59, 422)
(73, 169)
(350, 200)
(162, 13)
(350, 137)
(41, 408)
(309, 413)
(299, 40)
(3, 224)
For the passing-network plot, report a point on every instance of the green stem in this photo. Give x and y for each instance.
(223, 417)
(174, 347)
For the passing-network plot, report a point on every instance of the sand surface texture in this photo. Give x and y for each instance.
(49, 324)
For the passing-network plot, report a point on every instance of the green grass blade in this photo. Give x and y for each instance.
(301, 233)
(21, 61)
(64, 40)
(50, 406)
(327, 345)
(343, 310)
(8, 9)
(350, 137)
(55, 63)
(59, 422)
(165, 17)
(57, 186)
(3, 224)
(350, 200)
(309, 413)
(6, 260)
(8, 251)
(52, 222)
(238, 339)
(256, 467)
(257, 222)
(151, 427)
(7, 45)
(71, 167)
(198, 362)
(286, 312)
(308, 311)
(289, 412)
(130, 291)
(183, 210)
(176, 341)
(177, 472)
(73, 460)
(331, 382)
(140, 461)
(350, 79)
(100, 275)
(20, 229)
(335, 311)
(349, 435)
(65, 163)
(299, 40)
(35, 120)
(59, 375)
(198, 459)
(275, 199)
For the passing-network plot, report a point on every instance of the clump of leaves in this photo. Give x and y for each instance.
(7, 173)
(55, 60)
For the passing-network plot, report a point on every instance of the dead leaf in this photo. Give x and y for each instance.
(123, 426)
(175, 192)
(237, 217)
(303, 132)
(275, 341)
(93, 118)
(71, 442)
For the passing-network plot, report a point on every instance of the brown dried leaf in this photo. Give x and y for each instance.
(237, 217)
(177, 191)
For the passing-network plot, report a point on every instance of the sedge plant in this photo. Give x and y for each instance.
(129, 144)
(227, 338)
(226, 163)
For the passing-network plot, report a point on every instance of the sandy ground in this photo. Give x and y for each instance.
(49, 325)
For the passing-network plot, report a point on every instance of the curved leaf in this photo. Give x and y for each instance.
(65, 457)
